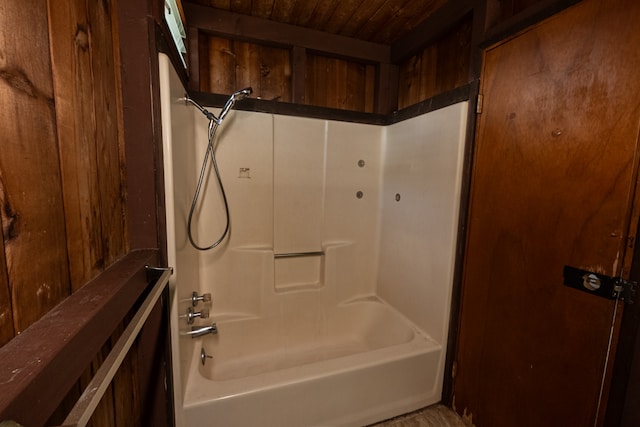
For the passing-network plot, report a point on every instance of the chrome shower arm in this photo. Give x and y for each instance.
(209, 115)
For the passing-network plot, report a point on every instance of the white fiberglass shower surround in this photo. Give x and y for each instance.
(351, 333)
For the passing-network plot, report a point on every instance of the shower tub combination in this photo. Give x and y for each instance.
(331, 296)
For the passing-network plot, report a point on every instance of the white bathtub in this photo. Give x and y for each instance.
(354, 364)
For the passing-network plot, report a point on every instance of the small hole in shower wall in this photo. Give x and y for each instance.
(359, 194)
(397, 197)
(361, 163)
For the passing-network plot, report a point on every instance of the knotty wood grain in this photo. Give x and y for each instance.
(32, 212)
(235, 64)
(71, 39)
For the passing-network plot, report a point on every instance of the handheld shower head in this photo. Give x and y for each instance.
(243, 93)
(235, 96)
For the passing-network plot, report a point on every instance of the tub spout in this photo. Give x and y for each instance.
(198, 331)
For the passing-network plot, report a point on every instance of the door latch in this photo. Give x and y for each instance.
(600, 284)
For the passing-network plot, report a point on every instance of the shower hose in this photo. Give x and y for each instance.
(211, 152)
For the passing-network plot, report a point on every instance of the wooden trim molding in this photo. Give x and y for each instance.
(465, 202)
(40, 365)
(462, 93)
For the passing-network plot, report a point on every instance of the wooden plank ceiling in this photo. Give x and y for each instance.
(378, 21)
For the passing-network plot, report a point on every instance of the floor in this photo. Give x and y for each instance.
(433, 416)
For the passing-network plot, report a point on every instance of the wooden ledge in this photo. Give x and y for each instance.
(40, 365)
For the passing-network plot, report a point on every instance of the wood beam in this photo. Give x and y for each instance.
(431, 29)
(41, 364)
(260, 30)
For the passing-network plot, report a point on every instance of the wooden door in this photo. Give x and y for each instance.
(553, 184)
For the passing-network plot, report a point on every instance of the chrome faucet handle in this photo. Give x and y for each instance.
(192, 315)
(195, 298)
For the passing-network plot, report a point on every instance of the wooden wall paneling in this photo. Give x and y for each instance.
(298, 74)
(432, 29)
(247, 67)
(338, 83)
(314, 94)
(222, 68)
(110, 151)
(319, 88)
(386, 88)
(198, 59)
(234, 64)
(370, 88)
(439, 67)
(454, 55)
(85, 73)
(275, 74)
(32, 213)
(71, 41)
(199, 78)
(356, 78)
(417, 76)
